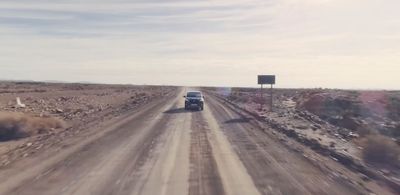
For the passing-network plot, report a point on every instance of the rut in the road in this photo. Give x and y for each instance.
(273, 168)
(204, 176)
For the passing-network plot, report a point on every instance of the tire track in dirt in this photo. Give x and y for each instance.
(167, 169)
(204, 175)
(274, 169)
(99, 166)
(235, 178)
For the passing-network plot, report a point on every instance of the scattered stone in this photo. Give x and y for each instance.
(19, 103)
(5, 162)
(40, 146)
(353, 135)
(302, 126)
(396, 179)
(336, 135)
(385, 172)
(317, 126)
(282, 139)
(364, 177)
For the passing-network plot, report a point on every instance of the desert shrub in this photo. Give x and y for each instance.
(365, 131)
(18, 125)
(259, 100)
(232, 97)
(379, 149)
(396, 131)
(142, 94)
(341, 106)
(243, 99)
(394, 108)
(238, 97)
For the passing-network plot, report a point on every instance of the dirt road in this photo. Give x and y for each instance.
(164, 149)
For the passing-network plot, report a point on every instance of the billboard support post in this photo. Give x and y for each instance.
(272, 98)
(261, 99)
(266, 79)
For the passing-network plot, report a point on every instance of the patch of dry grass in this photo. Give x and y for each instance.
(18, 125)
(382, 150)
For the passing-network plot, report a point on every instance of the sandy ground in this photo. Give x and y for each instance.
(160, 148)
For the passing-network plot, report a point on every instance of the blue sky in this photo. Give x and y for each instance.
(306, 43)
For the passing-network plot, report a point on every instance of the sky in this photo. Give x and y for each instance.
(305, 43)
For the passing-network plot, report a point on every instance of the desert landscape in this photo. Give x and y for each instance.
(211, 97)
(358, 128)
(73, 138)
(52, 112)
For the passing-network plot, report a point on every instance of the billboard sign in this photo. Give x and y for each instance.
(266, 79)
